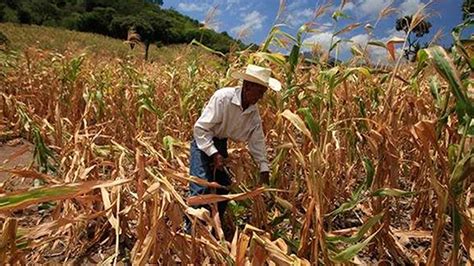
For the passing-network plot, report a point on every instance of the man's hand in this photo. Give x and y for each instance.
(218, 161)
(264, 177)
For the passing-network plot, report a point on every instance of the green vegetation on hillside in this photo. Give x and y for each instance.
(32, 37)
(115, 18)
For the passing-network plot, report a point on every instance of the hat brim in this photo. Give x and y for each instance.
(272, 83)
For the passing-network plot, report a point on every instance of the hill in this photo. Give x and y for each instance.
(115, 18)
(23, 37)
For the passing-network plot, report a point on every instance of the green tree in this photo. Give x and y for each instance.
(121, 25)
(417, 31)
(89, 5)
(72, 21)
(97, 21)
(24, 16)
(156, 2)
(467, 9)
(2, 11)
(42, 11)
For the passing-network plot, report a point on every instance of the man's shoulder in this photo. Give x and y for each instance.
(225, 93)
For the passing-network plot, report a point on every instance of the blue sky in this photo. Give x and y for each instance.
(251, 20)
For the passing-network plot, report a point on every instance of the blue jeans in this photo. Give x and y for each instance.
(200, 166)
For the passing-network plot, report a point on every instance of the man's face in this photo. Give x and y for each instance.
(253, 92)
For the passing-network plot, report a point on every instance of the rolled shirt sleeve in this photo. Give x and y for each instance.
(211, 115)
(257, 148)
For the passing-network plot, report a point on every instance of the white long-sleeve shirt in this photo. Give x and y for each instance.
(223, 117)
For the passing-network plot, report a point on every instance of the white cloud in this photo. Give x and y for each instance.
(325, 26)
(392, 32)
(347, 9)
(348, 6)
(215, 27)
(371, 7)
(323, 39)
(233, 7)
(409, 7)
(295, 4)
(360, 39)
(380, 55)
(296, 13)
(308, 12)
(298, 17)
(232, 3)
(377, 55)
(251, 23)
(245, 8)
(191, 7)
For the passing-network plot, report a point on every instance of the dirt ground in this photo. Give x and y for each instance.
(15, 153)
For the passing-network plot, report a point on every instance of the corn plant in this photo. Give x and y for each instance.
(366, 162)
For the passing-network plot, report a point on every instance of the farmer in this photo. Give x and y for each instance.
(231, 113)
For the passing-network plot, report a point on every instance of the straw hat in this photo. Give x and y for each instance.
(259, 75)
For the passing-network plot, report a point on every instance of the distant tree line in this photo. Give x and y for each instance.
(115, 18)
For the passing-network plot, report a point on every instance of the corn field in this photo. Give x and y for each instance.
(370, 164)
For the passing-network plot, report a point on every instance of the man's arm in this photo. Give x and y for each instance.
(211, 115)
(258, 150)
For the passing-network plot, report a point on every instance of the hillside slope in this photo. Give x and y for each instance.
(115, 18)
(60, 40)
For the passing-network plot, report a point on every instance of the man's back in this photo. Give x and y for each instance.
(223, 117)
